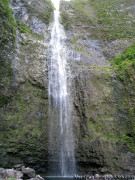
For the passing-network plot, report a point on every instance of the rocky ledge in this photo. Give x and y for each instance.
(19, 172)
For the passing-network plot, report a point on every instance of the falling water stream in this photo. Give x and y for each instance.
(61, 142)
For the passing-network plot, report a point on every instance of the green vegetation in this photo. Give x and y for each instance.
(125, 64)
(106, 121)
(65, 20)
(105, 19)
(99, 107)
(109, 20)
(115, 18)
(130, 142)
(43, 10)
(84, 12)
(47, 17)
(26, 29)
(20, 120)
(4, 100)
(7, 34)
(7, 24)
(23, 28)
(22, 131)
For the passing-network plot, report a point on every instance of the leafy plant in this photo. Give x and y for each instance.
(122, 63)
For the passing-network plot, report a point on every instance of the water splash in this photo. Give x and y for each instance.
(61, 143)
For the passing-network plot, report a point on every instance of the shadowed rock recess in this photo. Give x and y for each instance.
(103, 93)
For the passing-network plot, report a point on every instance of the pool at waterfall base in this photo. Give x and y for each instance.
(59, 178)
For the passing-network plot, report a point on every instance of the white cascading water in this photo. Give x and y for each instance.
(61, 142)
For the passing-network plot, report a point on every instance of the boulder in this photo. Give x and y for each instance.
(22, 173)
(18, 167)
(28, 173)
(37, 178)
(10, 173)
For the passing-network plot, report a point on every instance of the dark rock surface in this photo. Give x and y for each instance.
(28, 173)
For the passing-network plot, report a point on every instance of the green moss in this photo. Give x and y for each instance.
(23, 126)
(129, 140)
(99, 108)
(85, 138)
(107, 19)
(65, 20)
(26, 29)
(124, 66)
(4, 100)
(114, 21)
(105, 120)
(43, 12)
(7, 24)
(106, 69)
(5, 82)
(103, 126)
(47, 16)
(84, 13)
(125, 62)
(7, 34)
(23, 28)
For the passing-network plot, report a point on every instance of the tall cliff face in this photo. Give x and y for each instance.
(103, 103)
(23, 114)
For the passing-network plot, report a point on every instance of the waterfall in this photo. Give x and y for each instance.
(61, 142)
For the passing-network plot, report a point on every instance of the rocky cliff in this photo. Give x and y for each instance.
(23, 113)
(103, 95)
(103, 101)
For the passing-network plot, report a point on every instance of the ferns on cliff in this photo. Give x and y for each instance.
(125, 63)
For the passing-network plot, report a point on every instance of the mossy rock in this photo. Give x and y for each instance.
(7, 24)
(106, 20)
(43, 10)
(7, 38)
